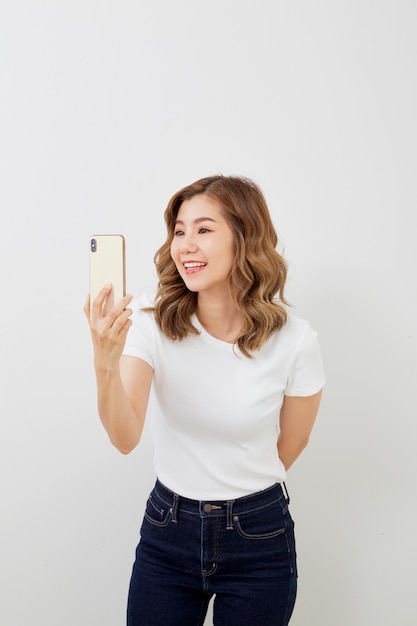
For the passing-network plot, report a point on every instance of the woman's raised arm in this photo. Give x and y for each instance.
(123, 383)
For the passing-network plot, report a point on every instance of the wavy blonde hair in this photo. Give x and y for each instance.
(258, 275)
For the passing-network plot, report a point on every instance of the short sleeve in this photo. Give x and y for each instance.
(306, 376)
(140, 340)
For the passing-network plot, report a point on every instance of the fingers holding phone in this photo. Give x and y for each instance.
(99, 308)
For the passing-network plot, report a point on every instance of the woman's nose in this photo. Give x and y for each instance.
(188, 244)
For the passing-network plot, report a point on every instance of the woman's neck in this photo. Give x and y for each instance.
(220, 318)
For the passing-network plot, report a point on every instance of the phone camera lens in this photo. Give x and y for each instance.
(93, 245)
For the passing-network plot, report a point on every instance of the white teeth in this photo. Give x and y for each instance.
(189, 265)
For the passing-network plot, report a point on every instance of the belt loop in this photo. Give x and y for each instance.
(229, 505)
(285, 492)
(174, 509)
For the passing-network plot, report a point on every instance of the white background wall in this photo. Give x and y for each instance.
(106, 109)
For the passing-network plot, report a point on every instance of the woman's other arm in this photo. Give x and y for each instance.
(296, 421)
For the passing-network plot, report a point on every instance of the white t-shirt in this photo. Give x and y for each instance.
(214, 412)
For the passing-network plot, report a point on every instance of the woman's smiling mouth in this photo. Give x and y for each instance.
(193, 266)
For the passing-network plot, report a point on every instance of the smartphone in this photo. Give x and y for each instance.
(107, 266)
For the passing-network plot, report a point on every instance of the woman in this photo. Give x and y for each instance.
(234, 382)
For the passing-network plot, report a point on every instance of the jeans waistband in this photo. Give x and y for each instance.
(217, 508)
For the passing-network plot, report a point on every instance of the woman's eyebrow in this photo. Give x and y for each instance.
(197, 220)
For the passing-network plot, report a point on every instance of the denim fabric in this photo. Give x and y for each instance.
(241, 551)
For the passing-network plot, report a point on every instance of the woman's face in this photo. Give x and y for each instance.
(202, 246)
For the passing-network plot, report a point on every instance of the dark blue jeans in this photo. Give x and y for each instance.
(241, 551)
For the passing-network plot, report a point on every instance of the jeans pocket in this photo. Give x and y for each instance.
(264, 523)
(157, 512)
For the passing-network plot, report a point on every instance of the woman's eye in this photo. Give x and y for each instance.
(202, 231)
